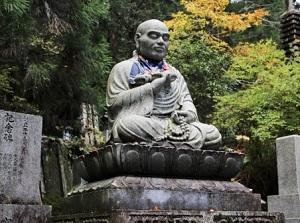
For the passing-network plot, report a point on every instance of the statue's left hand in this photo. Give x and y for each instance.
(183, 116)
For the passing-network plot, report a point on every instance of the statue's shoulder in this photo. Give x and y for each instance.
(174, 69)
(171, 67)
(121, 70)
(126, 63)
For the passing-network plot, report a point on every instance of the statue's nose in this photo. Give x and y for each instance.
(160, 40)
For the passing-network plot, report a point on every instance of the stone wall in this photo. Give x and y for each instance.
(57, 174)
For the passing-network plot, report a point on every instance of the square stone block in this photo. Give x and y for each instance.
(288, 164)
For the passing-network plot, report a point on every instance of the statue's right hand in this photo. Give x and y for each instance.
(157, 83)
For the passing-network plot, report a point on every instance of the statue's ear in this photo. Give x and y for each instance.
(136, 39)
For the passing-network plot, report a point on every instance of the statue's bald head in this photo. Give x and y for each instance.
(150, 24)
(152, 39)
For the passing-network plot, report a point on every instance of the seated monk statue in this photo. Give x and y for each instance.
(148, 100)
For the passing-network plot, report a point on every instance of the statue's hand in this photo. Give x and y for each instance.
(170, 77)
(142, 79)
(162, 78)
(183, 116)
(159, 81)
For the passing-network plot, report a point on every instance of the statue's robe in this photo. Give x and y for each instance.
(137, 114)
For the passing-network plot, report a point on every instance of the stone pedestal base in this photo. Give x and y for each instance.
(150, 216)
(288, 204)
(163, 200)
(146, 193)
(17, 213)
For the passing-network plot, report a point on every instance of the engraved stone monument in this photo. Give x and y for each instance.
(20, 170)
(288, 166)
(160, 164)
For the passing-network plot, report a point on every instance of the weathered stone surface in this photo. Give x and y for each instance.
(127, 182)
(135, 193)
(292, 220)
(288, 166)
(20, 149)
(143, 199)
(289, 204)
(16, 213)
(158, 216)
(57, 172)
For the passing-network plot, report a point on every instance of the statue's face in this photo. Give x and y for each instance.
(153, 41)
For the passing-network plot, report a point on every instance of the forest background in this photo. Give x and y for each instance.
(56, 55)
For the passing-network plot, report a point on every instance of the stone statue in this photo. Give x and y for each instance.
(148, 100)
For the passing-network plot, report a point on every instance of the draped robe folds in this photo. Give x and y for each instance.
(136, 114)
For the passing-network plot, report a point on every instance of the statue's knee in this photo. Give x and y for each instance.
(212, 133)
(125, 124)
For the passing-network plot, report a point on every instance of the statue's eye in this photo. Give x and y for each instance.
(166, 37)
(153, 35)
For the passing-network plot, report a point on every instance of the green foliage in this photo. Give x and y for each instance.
(38, 75)
(16, 7)
(203, 68)
(271, 23)
(267, 104)
(16, 26)
(76, 146)
(264, 106)
(5, 79)
(58, 58)
(260, 170)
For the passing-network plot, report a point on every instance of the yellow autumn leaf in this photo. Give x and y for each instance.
(210, 20)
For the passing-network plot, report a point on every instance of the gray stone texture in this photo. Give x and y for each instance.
(140, 199)
(57, 172)
(289, 204)
(158, 216)
(288, 166)
(129, 182)
(20, 149)
(20, 169)
(16, 213)
(137, 193)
